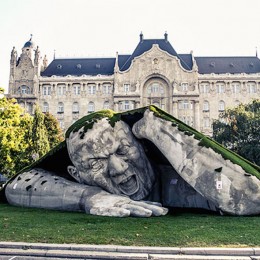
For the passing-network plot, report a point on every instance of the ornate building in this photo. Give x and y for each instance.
(193, 89)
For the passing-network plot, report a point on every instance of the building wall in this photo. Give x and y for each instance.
(155, 77)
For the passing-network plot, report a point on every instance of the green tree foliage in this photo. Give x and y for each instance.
(39, 136)
(55, 134)
(238, 129)
(23, 138)
(14, 129)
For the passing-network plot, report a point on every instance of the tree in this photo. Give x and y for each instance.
(14, 128)
(238, 129)
(55, 134)
(39, 136)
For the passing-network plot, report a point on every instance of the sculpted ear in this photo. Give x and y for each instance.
(72, 170)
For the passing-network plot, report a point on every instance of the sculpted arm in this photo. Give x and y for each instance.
(42, 189)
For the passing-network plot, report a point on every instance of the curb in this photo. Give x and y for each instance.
(74, 251)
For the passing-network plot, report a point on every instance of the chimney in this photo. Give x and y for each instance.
(141, 37)
(166, 36)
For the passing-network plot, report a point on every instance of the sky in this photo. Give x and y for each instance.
(100, 28)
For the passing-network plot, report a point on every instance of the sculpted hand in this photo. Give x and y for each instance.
(106, 204)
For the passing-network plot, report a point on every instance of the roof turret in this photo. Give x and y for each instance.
(29, 44)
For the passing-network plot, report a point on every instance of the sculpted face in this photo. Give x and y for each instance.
(111, 158)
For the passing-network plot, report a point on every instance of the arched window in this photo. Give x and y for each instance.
(205, 106)
(75, 107)
(91, 107)
(24, 89)
(221, 105)
(45, 107)
(155, 87)
(60, 108)
(106, 105)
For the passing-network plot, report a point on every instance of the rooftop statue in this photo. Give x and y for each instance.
(137, 163)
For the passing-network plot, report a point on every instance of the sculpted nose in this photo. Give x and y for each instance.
(116, 165)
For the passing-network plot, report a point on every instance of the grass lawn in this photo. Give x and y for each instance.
(176, 230)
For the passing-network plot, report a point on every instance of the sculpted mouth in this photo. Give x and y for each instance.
(129, 186)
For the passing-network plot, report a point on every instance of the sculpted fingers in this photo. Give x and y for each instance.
(137, 211)
(156, 210)
(111, 212)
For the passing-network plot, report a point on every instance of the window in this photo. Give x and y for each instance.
(106, 105)
(206, 122)
(236, 87)
(221, 105)
(60, 108)
(156, 103)
(251, 88)
(91, 107)
(126, 105)
(184, 104)
(46, 90)
(205, 106)
(45, 107)
(106, 89)
(204, 88)
(155, 88)
(126, 87)
(92, 89)
(30, 108)
(220, 87)
(184, 86)
(61, 90)
(22, 104)
(61, 122)
(75, 107)
(76, 89)
(24, 90)
(188, 120)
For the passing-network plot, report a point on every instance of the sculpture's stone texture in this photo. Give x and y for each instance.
(220, 181)
(130, 164)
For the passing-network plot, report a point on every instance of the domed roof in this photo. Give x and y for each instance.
(29, 44)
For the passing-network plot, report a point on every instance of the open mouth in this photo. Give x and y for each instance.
(129, 186)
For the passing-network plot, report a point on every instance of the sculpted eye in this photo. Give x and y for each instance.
(123, 150)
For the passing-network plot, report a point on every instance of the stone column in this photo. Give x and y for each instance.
(40, 90)
(196, 115)
(175, 108)
(116, 106)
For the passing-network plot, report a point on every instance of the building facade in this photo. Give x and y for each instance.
(193, 89)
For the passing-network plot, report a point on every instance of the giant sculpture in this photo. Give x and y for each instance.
(137, 163)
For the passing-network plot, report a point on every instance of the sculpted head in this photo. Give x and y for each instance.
(111, 158)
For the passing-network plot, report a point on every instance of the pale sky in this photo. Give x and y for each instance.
(100, 28)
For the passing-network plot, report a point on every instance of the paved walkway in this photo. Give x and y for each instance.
(39, 251)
